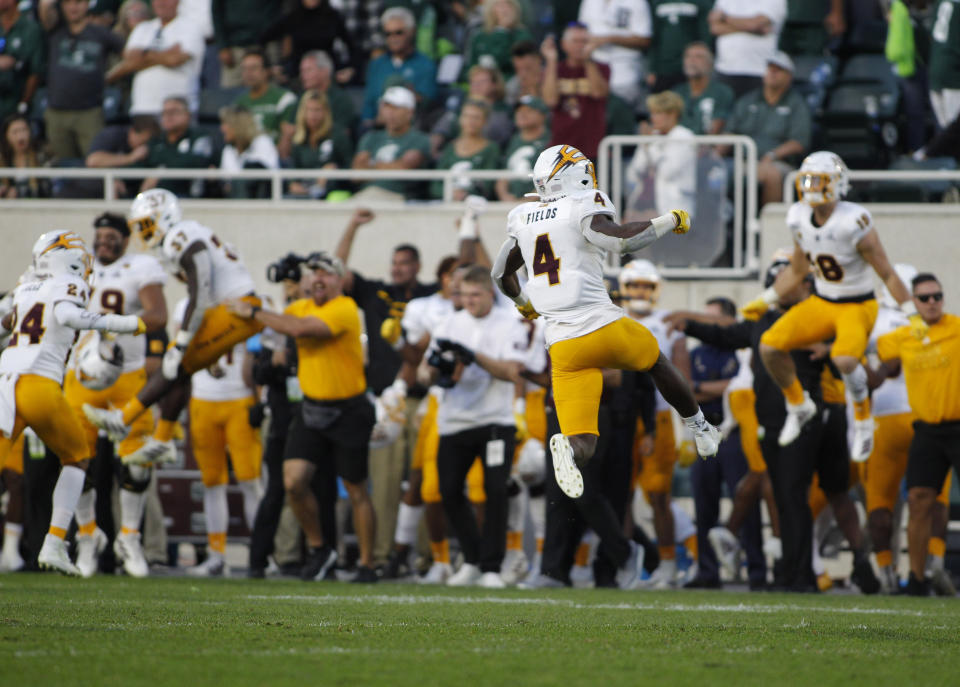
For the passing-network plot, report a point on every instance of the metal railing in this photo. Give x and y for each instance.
(884, 175)
(746, 228)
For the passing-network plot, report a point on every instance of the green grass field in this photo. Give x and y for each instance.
(177, 631)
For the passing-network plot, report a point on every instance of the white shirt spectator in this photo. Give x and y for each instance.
(198, 13)
(261, 150)
(153, 85)
(744, 53)
(673, 163)
(619, 18)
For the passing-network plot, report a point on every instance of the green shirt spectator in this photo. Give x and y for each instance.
(178, 146)
(621, 119)
(810, 24)
(316, 72)
(318, 143)
(771, 123)
(21, 60)
(675, 25)
(945, 50)
(705, 112)
(470, 150)
(502, 28)
(274, 108)
(530, 140)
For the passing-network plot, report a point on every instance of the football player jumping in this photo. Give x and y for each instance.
(838, 240)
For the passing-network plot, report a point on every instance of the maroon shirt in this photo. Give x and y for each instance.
(579, 119)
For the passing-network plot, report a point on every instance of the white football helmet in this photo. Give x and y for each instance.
(906, 273)
(562, 170)
(640, 299)
(152, 214)
(531, 465)
(99, 361)
(61, 252)
(822, 178)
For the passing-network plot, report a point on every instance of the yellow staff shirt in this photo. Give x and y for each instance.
(931, 368)
(332, 368)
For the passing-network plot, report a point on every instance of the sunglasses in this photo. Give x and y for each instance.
(927, 297)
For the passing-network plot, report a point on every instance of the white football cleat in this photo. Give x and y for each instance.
(889, 583)
(514, 567)
(110, 421)
(862, 440)
(797, 417)
(664, 577)
(11, 561)
(941, 582)
(707, 440)
(438, 573)
(566, 470)
(726, 545)
(129, 551)
(89, 548)
(773, 547)
(492, 580)
(467, 576)
(541, 581)
(214, 566)
(153, 452)
(53, 556)
(629, 572)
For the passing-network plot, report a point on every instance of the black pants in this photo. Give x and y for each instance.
(454, 458)
(708, 477)
(606, 491)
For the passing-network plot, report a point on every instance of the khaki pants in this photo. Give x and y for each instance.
(70, 132)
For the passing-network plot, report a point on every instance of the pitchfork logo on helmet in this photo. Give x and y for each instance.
(822, 178)
(62, 252)
(152, 214)
(562, 170)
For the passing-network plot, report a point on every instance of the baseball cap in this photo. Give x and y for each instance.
(534, 102)
(399, 97)
(782, 60)
(114, 221)
(321, 260)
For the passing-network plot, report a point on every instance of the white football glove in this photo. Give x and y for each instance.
(171, 361)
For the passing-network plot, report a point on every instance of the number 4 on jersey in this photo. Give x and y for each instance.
(544, 261)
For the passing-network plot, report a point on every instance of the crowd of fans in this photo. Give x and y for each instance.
(467, 85)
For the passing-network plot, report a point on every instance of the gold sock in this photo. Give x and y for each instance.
(937, 546)
(217, 541)
(582, 557)
(440, 551)
(164, 430)
(667, 553)
(539, 544)
(132, 410)
(884, 558)
(88, 529)
(861, 409)
(794, 393)
(127, 530)
(57, 532)
(514, 541)
(691, 544)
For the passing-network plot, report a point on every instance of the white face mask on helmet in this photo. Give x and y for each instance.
(99, 362)
(822, 178)
(152, 214)
(639, 272)
(562, 170)
(61, 253)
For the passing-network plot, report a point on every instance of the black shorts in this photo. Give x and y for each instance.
(934, 449)
(833, 459)
(345, 443)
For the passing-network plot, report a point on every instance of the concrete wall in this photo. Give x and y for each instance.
(926, 235)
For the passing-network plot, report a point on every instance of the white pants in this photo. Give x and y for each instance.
(946, 105)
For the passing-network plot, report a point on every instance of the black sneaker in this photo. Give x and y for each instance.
(319, 561)
(397, 565)
(366, 575)
(703, 583)
(863, 575)
(917, 587)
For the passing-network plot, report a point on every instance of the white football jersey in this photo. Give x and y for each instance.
(840, 272)
(228, 385)
(117, 290)
(39, 345)
(229, 276)
(665, 340)
(422, 315)
(565, 271)
(890, 398)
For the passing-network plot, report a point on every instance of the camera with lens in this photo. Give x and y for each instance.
(287, 267)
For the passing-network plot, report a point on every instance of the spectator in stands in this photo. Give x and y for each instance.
(318, 143)
(397, 146)
(675, 26)
(669, 166)
(75, 80)
(314, 25)
(810, 25)
(19, 149)
(178, 146)
(131, 13)
(402, 64)
(619, 33)
(237, 27)
(777, 118)
(530, 140)
(362, 19)
(911, 67)
(502, 29)
(274, 108)
(245, 147)
(102, 13)
(944, 69)
(576, 89)
(470, 150)
(316, 71)
(123, 146)
(486, 86)
(164, 55)
(21, 59)
(747, 32)
(707, 101)
(527, 72)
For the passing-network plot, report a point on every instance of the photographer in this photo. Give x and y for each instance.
(476, 419)
(335, 420)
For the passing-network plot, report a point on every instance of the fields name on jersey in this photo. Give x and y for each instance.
(540, 215)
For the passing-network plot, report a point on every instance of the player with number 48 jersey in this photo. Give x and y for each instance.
(562, 240)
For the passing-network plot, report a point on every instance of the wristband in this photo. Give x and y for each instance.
(663, 224)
